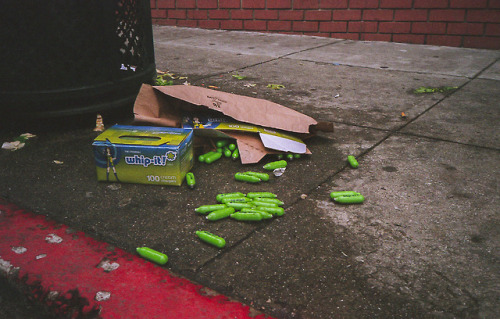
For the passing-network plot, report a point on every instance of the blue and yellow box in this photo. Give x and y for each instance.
(143, 154)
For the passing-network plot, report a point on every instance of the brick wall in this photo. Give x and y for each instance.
(458, 23)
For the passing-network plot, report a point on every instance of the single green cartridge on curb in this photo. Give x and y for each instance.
(190, 181)
(334, 195)
(211, 239)
(274, 165)
(352, 161)
(356, 199)
(152, 255)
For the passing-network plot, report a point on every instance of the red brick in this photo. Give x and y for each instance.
(410, 15)
(197, 14)
(305, 4)
(279, 25)
(333, 4)
(428, 27)
(242, 14)
(158, 13)
(165, 4)
(447, 40)
(164, 21)
(308, 26)
(409, 38)
(229, 4)
(253, 4)
(465, 28)
(185, 4)
(482, 42)
(429, 4)
(231, 24)
(362, 26)
(291, 15)
(255, 25)
(187, 23)
(279, 4)
(219, 14)
(395, 4)
(209, 24)
(378, 15)
(207, 4)
(347, 15)
(176, 14)
(349, 36)
(394, 27)
(446, 15)
(493, 29)
(152, 4)
(375, 37)
(468, 3)
(333, 26)
(318, 15)
(494, 4)
(266, 14)
(363, 4)
(483, 16)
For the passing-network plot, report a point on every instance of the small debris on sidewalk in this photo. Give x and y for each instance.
(18, 143)
(99, 124)
(276, 86)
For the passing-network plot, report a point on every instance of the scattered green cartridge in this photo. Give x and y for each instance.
(153, 255)
(356, 199)
(352, 161)
(211, 239)
(190, 181)
(239, 205)
(220, 213)
(266, 204)
(209, 208)
(219, 197)
(278, 211)
(263, 176)
(232, 147)
(236, 154)
(297, 156)
(289, 157)
(261, 194)
(235, 200)
(227, 152)
(246, 178)
(213, 157)
(202, 158)
(247, 216)
(334, 195)
(274, 165)
(221, 143)
(269, 200)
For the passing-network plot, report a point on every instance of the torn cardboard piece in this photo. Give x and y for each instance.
(167, 105)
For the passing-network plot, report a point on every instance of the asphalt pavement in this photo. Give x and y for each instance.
(424, 244)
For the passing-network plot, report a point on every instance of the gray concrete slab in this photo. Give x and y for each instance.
(424, 244)
(366, 97)
(491, 73)
(196, 63)
(403, 57)
(248, 43)
(470, 115)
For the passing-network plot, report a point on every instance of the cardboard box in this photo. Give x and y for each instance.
(171, 105)
(143, 154)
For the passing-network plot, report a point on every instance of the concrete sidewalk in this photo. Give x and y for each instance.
(426, 242)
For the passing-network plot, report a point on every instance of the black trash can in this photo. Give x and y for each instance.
(72, 57)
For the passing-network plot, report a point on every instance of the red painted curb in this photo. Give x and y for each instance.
(77, 276)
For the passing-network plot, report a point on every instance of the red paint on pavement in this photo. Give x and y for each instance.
(67, 276)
